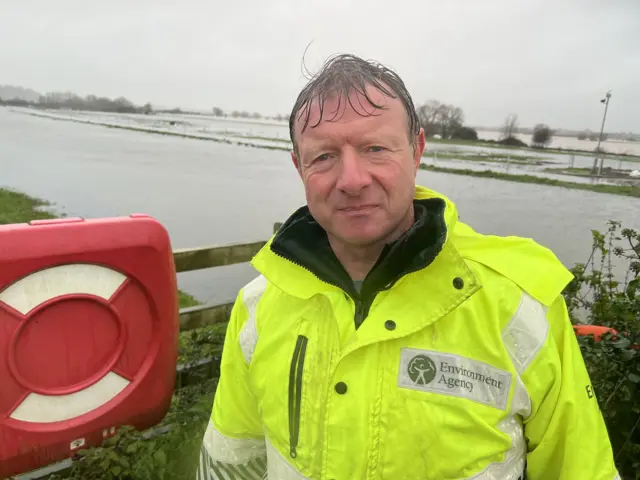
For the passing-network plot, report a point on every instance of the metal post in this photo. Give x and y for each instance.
(604, 117)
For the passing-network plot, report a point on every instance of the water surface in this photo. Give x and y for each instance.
(211, 193)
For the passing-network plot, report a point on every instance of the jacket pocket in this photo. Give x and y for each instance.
(295, 392)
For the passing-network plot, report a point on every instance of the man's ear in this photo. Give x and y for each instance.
(419, 149)
(296, 163)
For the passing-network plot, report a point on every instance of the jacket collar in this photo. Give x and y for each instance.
(299, 260)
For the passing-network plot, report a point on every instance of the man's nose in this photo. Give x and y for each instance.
(354, 173)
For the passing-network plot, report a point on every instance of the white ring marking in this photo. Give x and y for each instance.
(37, 287)
(39, 408)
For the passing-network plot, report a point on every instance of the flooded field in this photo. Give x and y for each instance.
(214, 193)
(275, 135)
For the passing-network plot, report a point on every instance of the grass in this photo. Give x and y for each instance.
(492, 158)
(17, 207)
(627, 190)
(559, 151)
(572, 170)
(187, 300)
(264, 147)
(449, 141)
(606, 156)
(586, 172)
(255, 137)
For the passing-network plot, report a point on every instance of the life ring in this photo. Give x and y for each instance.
(88, 334)
(61, 373)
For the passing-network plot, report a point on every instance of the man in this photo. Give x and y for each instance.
(384, 339)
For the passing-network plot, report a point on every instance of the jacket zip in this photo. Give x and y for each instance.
(359, 314)
(295, 393)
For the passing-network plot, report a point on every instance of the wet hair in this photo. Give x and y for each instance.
(340, 76)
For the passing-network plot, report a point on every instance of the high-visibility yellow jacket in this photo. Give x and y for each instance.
(463, 364)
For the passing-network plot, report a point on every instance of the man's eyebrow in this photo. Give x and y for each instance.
(321, 144)
(383, 135)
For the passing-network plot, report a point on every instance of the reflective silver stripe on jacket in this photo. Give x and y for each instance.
(248, 337)
(224, 458)
(523, 338)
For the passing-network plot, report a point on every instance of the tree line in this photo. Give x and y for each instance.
(540, 138)
(591, 136)
(438, 119)
(218, 112)
(447, 121)
(64, 100)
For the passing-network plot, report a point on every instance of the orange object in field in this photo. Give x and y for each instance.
(596, 330)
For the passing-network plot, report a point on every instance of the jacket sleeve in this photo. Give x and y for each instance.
(233, 445)
(565, 431)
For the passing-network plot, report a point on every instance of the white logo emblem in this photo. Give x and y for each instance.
(454, 375)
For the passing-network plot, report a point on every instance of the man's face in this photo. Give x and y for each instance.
(359, 169)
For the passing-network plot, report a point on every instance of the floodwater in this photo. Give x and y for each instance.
(211, 193)
(271, 133)
(274, 129)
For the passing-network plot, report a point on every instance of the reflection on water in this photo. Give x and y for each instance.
(210, 193)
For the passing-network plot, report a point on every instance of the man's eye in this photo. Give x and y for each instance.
(377, 148)
(324, 156)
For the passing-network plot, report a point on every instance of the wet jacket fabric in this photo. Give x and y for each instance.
(455, 360)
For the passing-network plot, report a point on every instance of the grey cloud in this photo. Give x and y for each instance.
(548, 61)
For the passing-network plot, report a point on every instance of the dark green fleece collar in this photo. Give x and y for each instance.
(304, 242)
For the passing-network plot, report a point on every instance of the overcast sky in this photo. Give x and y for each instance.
(549, 61)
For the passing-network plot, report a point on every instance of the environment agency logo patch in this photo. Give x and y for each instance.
(421, 370)
(453, 375)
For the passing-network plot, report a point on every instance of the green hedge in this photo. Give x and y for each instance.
(596, 296)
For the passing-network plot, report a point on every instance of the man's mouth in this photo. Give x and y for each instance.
(357, 208)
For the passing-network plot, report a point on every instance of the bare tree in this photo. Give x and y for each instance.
(440, 118)
(542, 135)
(510, 126)
(429, 114)
(450, 119)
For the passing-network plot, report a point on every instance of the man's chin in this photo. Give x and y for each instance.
(360, 238)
